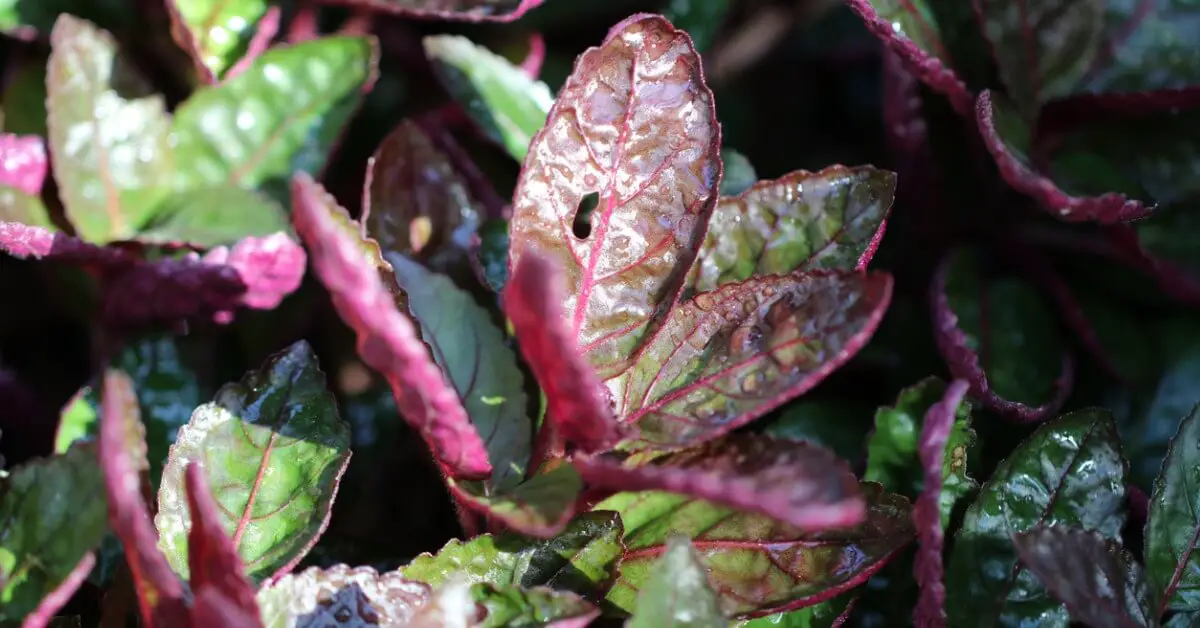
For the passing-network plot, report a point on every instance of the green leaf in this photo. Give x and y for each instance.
(802, 221)
(19, 17)
(1069, 472)
(52, 513)
(282, 115)
(676, 591)
(109, 136)
(527, 608)
(79, 420)
(341, 596)
(739, 173)
(213, 216)
(17, 206)
(702, 19)
(840, 425)
(822, 615)
(754, 563)
(1174, 525)
(892, 458)
(507, 104)
(540, 506)
(219, 30)
(1150, 49)
(273, 449)
(493, 253)
(24, 101)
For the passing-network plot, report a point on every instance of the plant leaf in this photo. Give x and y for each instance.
(676, 591)
(513, 606)
(929, 515)
(755, 564)
(282, 115)
(171, 289)
(1100, 583)
(606, 138)
(839, 425)
(1147, 51)
(832, 219)
(21, 208)
(341, 596)
(218, 578)
(795, 483)
(212, 216)
(1069, 472)
(1173, 524)
(457, 10)
(729, 356)
(387, 341)
(1026, 372)
(739, 173)
(276, 448)
(51, 518)
(53, 602)
(500, 97)
(23, 164)
(539, 506)
(109, 136)
(39, 242)
(271, 267)
(829, 614)
(215, 33)
(492, 254)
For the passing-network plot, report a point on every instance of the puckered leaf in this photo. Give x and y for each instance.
(1069, 472)
(539, 506)
(341, 596)
(51, 518)
(280, 116)
(1100, 583)
(676, 591)
(1001, 337)
(23, 163)
(109, 137)
(1172, 529)
(606, 137)
(270, 267)
(122, 458)
(213, 216)
(216, 33)
(503, 100)
(514, 606)
(387, 342)
(459, 10)
(42, 242)
(275, 449)
(729, 356)
(832, 219)
(796, 483)
(756, 564)
(929, 515)
(218, 578)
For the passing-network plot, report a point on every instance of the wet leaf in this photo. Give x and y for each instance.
(676, 591)
(51, 518)
(1100, 583)
(756, 564)
(829, 614)
(274, 447)
(500, 97)
(109, 135)
(282, 115)
(213, 216)
(539, 506)
(513, 606)
(1069, 472)
(832, 219)
(459, 10)
(341, 596)
(493, 253)
(794, 483)
(23, 163)
(1147, 49)
(1173, 524)
(216, 32)
(348, 265)
(218, 579)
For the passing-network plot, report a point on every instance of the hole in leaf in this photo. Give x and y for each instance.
(582, 227)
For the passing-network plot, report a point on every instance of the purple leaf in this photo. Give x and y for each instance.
(44, 614)
(456, 10)
(926, 514)
(23, 163)
(797, 483)
(171, 290)
(387, 340)
(25, 241)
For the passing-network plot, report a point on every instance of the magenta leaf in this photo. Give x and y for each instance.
(458, 10)
(1026, 373)
(270, 267)
(757, 565)
(217, 575)
(796, 483)
(37, 242)
(927, 512)
(23, 163)
(1100, 583)
(387, 341)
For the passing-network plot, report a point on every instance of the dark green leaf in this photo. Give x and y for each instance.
(739, 173)
(1174, 524)
(213, 216)
(1150, 48)
(24, 101)
(1069, 472)
(702, 19)
(218, 31)
(676, 591)
(273, 449)
(25, 18)
(840, 425)
(515, 607)
(493, 253)
(822, 615)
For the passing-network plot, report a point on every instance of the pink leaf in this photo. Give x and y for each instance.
(25, 241)
(268, 28)
(58, 598)
(23, 162)
(532, 64)
(218, 578)
(797, 483)
(935, 432)
(271, 268)
(449, 10)
(387, 341)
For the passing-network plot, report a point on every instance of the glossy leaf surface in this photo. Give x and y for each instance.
(513, 606)
(275, 449)
(216, 32)
(1069, 472)
(1147, 49)
(23, 163)
(213, 216)
(459, 10)
(1173, 567)
(676, 591)
(341, 596)
(540, 505)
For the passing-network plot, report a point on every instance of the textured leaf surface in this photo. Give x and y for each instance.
(40, 242)
(275, 448)
(280, 116)
(676, 591)
(795, 483)
(387, 342)
(1147, 48)
(460, 10)
(729, 356)
(832, 219)
(216, 32)
(109, 138)
(540, 506)
(503, 100)
(1069, 472)
(51, 518)
(218, 578)
(999, 335)
(213, 216)
(756, 564)
(23, 163)
(604, 136)
(513, 606)
(341, 596)
(1100, 583)
(1174, 525)
(271, 267)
